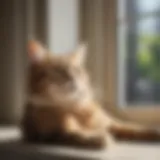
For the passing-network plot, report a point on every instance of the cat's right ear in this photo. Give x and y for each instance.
(36, 51)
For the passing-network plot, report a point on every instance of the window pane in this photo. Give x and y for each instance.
(139, 62)
(148, 5)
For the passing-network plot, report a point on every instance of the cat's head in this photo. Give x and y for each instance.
(57, 78)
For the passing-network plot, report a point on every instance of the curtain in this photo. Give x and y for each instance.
(13, 37)
(19, 20)
(98, 28)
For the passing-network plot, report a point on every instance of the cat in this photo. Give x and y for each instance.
(61, 106)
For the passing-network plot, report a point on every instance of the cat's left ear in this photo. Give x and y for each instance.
(36, 51)
(79, 56)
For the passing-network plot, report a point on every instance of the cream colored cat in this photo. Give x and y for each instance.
(61, 107)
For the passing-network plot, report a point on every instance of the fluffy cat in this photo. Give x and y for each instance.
(61, 107)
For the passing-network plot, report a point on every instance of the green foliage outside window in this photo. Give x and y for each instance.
(148, 57)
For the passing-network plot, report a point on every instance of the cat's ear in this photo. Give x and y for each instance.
(79, 56)
(36, 51)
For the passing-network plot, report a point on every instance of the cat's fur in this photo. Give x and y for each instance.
(61, 107)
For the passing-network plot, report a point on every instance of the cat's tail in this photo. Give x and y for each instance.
(131, 131)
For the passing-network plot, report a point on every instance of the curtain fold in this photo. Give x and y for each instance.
(20, 20)
(12, 47)
(98, 22)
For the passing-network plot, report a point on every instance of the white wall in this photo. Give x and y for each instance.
(63, 25)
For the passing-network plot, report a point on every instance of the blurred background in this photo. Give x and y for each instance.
(123, 55)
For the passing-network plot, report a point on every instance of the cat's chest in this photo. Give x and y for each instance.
(47, 118)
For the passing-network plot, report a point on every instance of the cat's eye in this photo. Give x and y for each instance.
(60, 75)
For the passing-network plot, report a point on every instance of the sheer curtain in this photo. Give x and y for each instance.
(98, 28)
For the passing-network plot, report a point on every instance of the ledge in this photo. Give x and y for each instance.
(11, 147)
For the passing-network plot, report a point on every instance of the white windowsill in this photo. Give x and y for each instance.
(18, 150)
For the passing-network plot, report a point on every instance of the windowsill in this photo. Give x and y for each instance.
(17, 150)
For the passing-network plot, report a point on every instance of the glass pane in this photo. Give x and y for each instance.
(139, 62)
(148, 5)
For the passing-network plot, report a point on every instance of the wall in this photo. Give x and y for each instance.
(63, 25)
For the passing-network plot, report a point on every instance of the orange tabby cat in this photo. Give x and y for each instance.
(61, 107)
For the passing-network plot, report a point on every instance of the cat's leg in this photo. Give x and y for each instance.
(34, 127)
(84, 137)
(28, 128)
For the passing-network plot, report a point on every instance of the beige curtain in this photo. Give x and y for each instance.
(19, 20)
(13, 37)
(98, 22)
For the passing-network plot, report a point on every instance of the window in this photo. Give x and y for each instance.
(124, 44)
(138, 53)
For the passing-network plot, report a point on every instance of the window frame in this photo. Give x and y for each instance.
(127, 20)
(150, 113)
